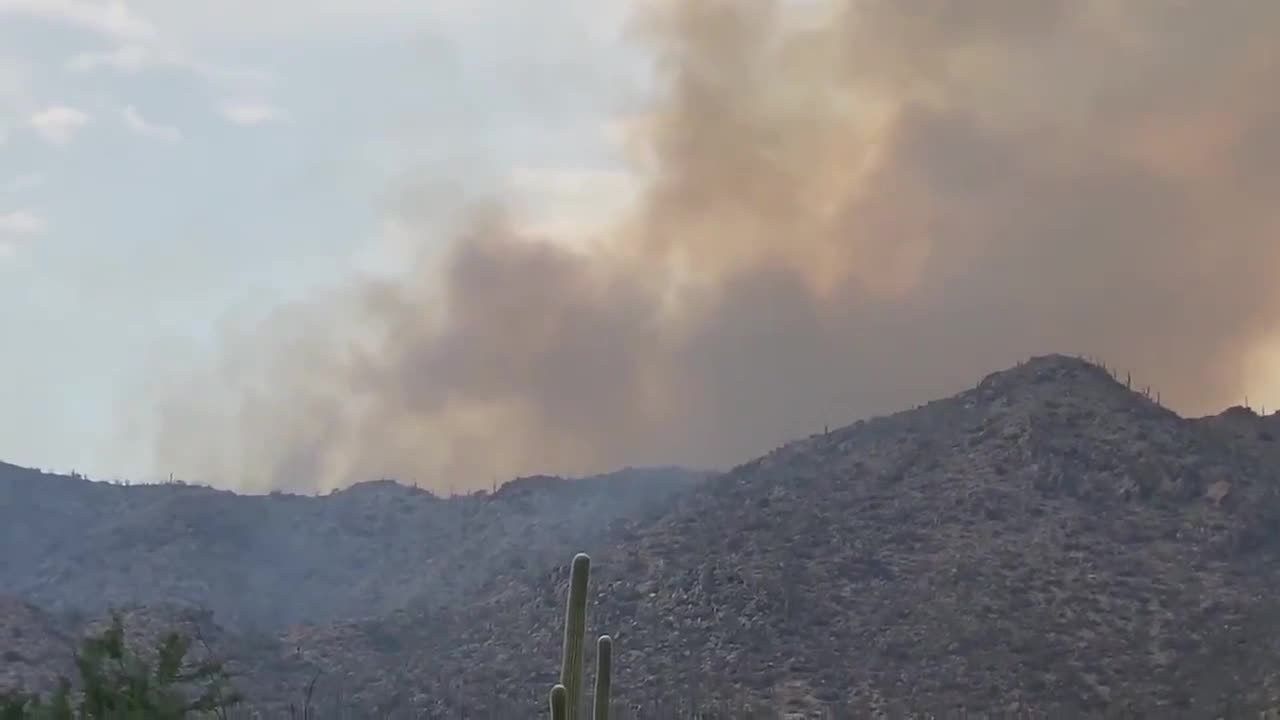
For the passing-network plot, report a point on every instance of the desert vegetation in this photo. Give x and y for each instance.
(117, 682)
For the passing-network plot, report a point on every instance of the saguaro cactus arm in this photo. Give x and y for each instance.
(604, 677)
(559, 703)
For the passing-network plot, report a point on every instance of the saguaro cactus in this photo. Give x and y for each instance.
(604, 677)
(559, 704)
(566, 696)
(575, 626)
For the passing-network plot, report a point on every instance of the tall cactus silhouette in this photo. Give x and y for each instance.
(566, 696)
(575, 626)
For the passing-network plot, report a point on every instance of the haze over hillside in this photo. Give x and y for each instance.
(1048, 542)
(265, 562)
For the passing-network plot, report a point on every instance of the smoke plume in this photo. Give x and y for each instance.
(848, 209)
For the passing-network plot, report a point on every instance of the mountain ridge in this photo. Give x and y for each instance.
(1046, 542)
(265, 561)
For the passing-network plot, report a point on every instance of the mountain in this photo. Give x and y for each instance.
(68, 545)
(1047, 543)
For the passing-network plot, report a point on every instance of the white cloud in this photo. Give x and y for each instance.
(569, 205)
(58, 124)
(135, 122)
(108, 17)
(250, 113)
(22, 222)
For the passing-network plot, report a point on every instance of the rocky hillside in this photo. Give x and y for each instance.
(69, 545)
(1048, 543)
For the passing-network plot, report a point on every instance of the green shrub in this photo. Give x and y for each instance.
(118, 684)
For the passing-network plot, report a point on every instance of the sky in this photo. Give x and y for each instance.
(165, 165)
(298, 245)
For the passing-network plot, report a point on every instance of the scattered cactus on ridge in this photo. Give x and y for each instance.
(566, 696)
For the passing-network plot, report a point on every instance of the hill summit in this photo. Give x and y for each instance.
(1048, 542)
